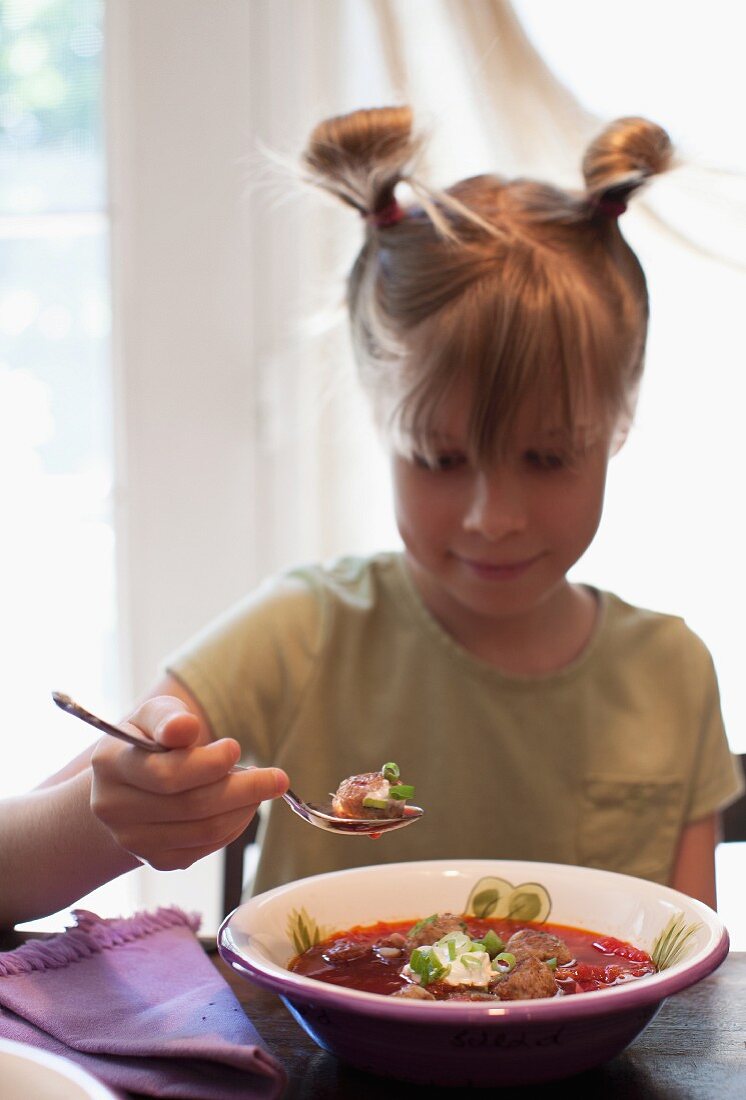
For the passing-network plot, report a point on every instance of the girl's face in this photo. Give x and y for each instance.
(495, 543)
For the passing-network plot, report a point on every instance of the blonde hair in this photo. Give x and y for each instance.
(502, 288)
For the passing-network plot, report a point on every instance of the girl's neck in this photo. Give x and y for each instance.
(537, 642)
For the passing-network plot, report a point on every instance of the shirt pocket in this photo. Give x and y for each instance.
(630, 825)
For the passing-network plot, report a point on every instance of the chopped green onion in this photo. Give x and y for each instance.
(426, 965)
(419, 962)
(504, 962)
(390, 771)
(462, 941)
(451, 949)
(401, 792)
(371, 803)
(418, 959)
(493, 945)
(551, 963)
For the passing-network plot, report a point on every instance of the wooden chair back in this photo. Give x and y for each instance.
(734, 818)
(233, 866)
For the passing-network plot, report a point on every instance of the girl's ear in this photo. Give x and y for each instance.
(619, 435)
(623, 426)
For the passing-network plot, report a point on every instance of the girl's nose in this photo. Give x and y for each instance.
(497, 507)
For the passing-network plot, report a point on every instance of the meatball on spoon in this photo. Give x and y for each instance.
(371, 804)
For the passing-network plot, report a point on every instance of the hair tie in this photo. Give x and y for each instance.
(388, 215)
(611, 208)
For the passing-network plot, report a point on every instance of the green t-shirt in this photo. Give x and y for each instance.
(329, 671)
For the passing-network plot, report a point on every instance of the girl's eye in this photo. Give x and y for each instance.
(441, 463)
(545, 460)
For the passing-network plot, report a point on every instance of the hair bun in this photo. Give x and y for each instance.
(623, 156)
(360, 157)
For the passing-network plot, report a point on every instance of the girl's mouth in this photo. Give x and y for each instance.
(498, 571)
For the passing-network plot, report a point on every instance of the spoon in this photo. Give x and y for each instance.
(320, 815)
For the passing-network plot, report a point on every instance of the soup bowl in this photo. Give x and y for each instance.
(482, 1043)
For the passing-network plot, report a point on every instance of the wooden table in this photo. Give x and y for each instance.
(695, 1049)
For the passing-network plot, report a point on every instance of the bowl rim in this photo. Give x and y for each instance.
(70, 1072)
(300, 990)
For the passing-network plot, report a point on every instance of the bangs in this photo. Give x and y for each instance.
(528, 333)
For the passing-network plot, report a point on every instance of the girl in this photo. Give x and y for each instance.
(499, 328)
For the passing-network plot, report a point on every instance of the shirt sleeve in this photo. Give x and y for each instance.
(718, 779)
(249, 668)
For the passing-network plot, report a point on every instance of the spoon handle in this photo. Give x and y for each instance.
(66, 703)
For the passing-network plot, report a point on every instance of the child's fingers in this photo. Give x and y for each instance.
(166, 719)
(178, 859)
(171, 808)
(241, 791)
(167, 772)
(157, 843)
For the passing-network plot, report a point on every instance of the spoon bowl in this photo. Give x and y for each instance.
(322, 816)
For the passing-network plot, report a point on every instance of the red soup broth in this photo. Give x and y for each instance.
(599, 961)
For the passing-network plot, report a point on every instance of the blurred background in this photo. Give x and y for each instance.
(178, 414)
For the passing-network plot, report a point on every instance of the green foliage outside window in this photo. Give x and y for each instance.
(50, 103)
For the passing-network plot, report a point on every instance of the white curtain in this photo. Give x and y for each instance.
(492, 91)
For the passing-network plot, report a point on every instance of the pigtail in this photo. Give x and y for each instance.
(620, 160)
(361, 157)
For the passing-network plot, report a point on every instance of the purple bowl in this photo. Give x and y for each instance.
(469, 1043)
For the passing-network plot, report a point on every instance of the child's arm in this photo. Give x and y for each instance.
(52, 849)
(694, 870)
(115, 806)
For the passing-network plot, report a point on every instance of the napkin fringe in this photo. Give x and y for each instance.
(92, 935)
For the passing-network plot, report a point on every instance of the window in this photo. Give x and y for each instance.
(57, 580)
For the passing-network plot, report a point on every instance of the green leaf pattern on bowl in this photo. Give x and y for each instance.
(304, 931)
(496, 897)
(673, 942)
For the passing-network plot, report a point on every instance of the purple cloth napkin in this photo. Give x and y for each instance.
(139, 1005)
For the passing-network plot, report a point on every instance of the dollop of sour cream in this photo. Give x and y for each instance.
(381, 790)
(463, 962)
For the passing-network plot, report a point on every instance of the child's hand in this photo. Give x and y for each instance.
(171, 809)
